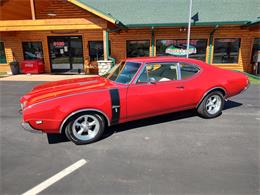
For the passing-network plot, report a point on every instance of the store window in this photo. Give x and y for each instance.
(96, 50)
(2, 54)
(32, 50)
(226, 51)
(137, 48)
(197, 49)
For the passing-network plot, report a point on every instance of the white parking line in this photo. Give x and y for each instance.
(241, 114)
(45, 184)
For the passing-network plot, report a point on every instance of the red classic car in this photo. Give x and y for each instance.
(136, 88)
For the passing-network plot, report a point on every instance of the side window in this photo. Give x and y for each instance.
(96, 50)
(2, 54)
(188, 70)
(32, 50)
(159, 72)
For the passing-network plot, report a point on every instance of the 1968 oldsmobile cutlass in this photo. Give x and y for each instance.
(136, 88)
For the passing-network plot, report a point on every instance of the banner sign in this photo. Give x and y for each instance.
(180, 51)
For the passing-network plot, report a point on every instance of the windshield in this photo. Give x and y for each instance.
(124, 72)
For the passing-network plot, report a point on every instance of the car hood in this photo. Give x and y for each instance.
(64, 87)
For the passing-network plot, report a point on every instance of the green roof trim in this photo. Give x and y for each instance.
(184, 24)
(253, 23)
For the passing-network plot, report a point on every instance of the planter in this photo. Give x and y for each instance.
(104, 66)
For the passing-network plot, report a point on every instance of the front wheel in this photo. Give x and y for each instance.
(85, 128)
(212, 105)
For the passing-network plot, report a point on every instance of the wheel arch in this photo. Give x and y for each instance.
(66, 120)
(220, 89)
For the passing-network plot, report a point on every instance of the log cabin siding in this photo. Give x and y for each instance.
(61, 8)
(13, 42)
(64, 9)
(22, 10)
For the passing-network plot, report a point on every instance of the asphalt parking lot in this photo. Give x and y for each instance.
(178, 153)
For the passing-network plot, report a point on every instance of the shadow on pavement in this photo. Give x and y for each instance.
(58, 138)
(231, 104)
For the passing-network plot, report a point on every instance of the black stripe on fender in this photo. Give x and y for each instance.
(115, 105)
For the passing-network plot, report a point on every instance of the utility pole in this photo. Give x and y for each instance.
(189, 27)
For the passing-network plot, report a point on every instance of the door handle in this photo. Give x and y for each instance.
(180, 87)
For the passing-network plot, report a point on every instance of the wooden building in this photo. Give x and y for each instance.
(73, 34)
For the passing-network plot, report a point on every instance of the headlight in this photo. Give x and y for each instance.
(23, 105)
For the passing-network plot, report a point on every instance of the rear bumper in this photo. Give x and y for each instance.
(29, 128)
(246, 88)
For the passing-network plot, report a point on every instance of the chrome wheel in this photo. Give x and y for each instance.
(85, 127)
(213, 104)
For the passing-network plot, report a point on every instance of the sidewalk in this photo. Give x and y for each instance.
(41, 77)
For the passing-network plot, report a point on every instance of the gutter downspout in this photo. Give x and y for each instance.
(211, 43)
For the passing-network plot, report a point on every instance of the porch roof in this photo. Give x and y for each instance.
(47, 24)
(141, 13)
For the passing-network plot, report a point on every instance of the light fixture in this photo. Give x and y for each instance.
(52, 14)
(183, 29)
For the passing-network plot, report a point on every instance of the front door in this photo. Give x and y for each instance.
(66, 53)
(164, 93)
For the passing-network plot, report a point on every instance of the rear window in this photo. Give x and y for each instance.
(188, 70)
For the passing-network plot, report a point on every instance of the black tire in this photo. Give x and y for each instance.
(204, 109)
(86, 138)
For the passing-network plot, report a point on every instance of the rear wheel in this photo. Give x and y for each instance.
(85, 128)
(212, 105)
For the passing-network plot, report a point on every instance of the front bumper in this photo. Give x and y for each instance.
(29, 128)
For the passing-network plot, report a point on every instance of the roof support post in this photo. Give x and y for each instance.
(210, 48)
(106, 44)
(211, 38)
(32, 9)
(152, 41)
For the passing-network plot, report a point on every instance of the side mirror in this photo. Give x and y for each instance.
(152, 80)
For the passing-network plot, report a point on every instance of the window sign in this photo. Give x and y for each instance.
(58, 44)
(226, 51)
(197, 48)
(2, 54)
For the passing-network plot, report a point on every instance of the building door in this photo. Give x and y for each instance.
(255, 60)
(66, 53)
